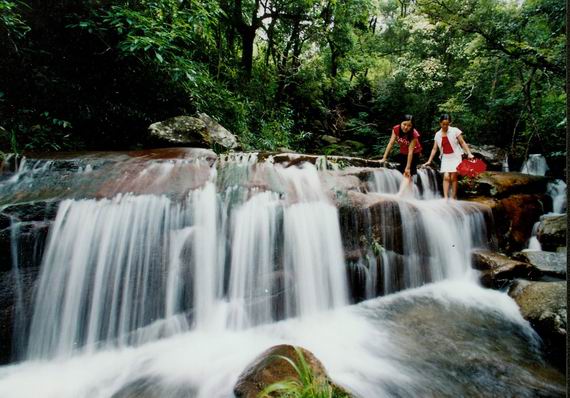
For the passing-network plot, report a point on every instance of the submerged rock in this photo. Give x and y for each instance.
(269, 368)
(153, 388)
(498, 269)
(543, 304)
(549, 263)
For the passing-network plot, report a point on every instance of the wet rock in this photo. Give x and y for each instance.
(15, 294)
(543, 304)
(153, 388)
(513, 218)
(498, 270)
(33, 211)
(218, 134)
(551, 231)
(549, 263)
(366, 219)
(291, 159)
(268, 368)
(501, 184)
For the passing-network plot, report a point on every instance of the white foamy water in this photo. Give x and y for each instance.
(388, 181)
(363, 348)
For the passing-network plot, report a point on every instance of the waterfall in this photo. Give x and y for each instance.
(535, 165)
(135, 268)
(169, 278)
(505, 163)
(388, 181)
(557, 191)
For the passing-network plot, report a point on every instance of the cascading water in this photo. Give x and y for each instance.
(557, 191)
(129, 262)
(412, 254)
(170, 282)
(535, 165)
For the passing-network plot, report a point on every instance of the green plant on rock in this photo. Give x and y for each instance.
(306, 386)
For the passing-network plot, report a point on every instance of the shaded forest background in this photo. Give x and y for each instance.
(93, 74)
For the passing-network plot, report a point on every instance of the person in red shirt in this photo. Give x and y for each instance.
(410, 148)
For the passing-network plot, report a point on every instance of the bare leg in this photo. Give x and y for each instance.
(454, 185)
(405, 186)
(446, 179)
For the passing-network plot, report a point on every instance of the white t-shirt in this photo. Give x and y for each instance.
(452, 135)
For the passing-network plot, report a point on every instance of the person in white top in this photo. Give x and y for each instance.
(451, 144)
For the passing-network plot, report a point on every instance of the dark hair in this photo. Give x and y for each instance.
(409, 134)
(445, 116)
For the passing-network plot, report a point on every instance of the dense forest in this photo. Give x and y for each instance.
(325, 76)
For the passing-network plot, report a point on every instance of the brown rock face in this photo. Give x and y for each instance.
(514, 216)
(269, 368)
(543, 304)
(501, 184)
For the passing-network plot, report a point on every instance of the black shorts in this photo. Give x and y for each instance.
(403, 160)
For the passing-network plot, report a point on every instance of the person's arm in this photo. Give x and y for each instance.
(411, 147)
(389, 147)
(464, 146)
(432, 154)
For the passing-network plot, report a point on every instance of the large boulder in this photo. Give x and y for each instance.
(501, 184)
(549, 263)
(513, 218)
(270, 367)
(202, 132)
(219, 135)
(551, 231)
(543, 304)
(497, 270)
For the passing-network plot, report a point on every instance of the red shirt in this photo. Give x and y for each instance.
(404, 143)
(446, 145)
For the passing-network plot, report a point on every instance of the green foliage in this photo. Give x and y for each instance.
(12, 25)
(349, 69)
(306, 386)
(46, 133)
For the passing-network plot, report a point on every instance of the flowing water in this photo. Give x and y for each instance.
(164, 276)
(536, 165)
